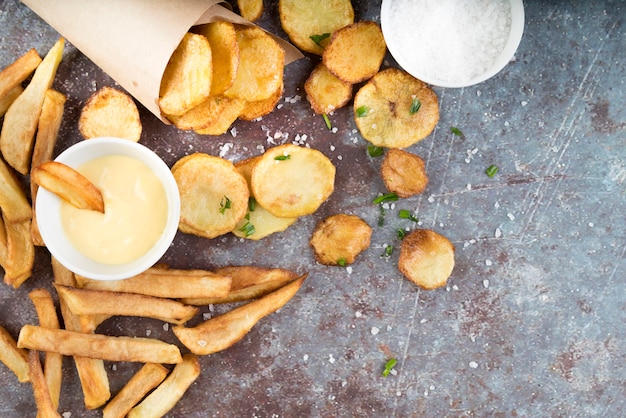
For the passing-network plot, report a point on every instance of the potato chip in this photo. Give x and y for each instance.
(403, 173)
(325, 91)
(214, 196)
(230, 109)
(255, 109)
(355, 52)
(292, 181)
(110, 112)
(187, 78)
(250, 9)
(338, 239)
(309, 24)
(426, 258)
(201, 116)
(225, 51)
(395, 110)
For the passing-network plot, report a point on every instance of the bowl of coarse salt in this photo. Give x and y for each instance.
(452, 43)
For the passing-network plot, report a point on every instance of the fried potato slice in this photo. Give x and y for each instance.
(355, 52)
(20, 253)
(261, 65)
(200, 116)
(225, 52)
(98, 346)
(395, 110)
(45, 406)
(15, 73)
(69, 185)
(168, 393)
(230, 109)
(13, 202)
(7, 100)
(142, 382)
(250, 9)
(20, 121)
(303, 19)
(325, 91)
(255, 109)
(426, 258)
(188, 75)
(220, 332)
(110, 112)
(403, 173)
(340, 238)
(249, 282)
(16, 359)
(214, 196)
(291, 181)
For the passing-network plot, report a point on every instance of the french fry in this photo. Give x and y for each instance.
(9, 98)
(18, 71)
(53, 365)
(3, 242)
(47, 133)
(104, 347)
(221, 332)
(69, 185)
(14, 358)
(20, 257)
(45, 406)
(20, 121)
(166, 283)
(142, 382)
(13, 202)
(62, 275)
(102, 302)
(168, 393)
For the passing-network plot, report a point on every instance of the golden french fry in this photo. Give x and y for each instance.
(53, 365)
(18, 71)
(110, 112)
(250, 9)
(69, 185)
(142, 382)
(13, 202)
(7, 100)
(45, 407)
(20, 256)
(14, 358)
(102, 302)
(168, 393)
(249, 282)
(166, 283)
(20, 121)
(71, 343)
(3, 243)
(62, 275)
(47, 133)
(221, 332)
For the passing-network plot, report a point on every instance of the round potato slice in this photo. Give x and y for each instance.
(225, 54)
(187, 78)
(338, 239)
(214, 196)
(201, 116)
(229, 109)
(426, 258)
(306, 21)
(256, 109)
(110, 112)
(326, 92)
(355, 52)
(261, 65)
(250, 9)
(403, 173)
(291, 181)
(395, 110)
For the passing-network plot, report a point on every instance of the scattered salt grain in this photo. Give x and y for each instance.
(66, 414)
(305, 357)
(486, 283)
(510, 216)
(206, 316)
(114, 367)
(473, 364)
(488, 262)
(233, 132)
(331, 359)
(358, 314)
(349, 270)
(201, 343)
(431, 199)
(148, 332)
(166, 327)
(498, 233)
(375, 330)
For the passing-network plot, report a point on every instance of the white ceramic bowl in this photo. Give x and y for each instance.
(49, 218)
(420, 35)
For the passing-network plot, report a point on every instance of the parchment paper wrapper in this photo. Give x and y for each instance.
(133, 40)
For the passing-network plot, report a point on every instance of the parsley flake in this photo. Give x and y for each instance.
(247, 229)
(375, 151)
(492, 170)
(283, 157)
(389, 365)
(406, 214)
(224, 204)
(327, 120)
(415, 106)
(362, 111)
(319, 38)
(389, 197)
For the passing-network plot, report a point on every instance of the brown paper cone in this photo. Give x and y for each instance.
(132, 41)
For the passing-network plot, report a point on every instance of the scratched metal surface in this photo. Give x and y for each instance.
(532, 320)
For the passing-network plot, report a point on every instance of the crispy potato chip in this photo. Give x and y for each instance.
(13, 202)
(259, 108)
(338, 239)
(7, 100)
(261, 65)
(395, 110)
(325, 91)
(303, 20)
(214, 196)
(15, 73)
(187, 78)
(225, 51)
(355, 52)
(403, 173)
(14, 358)
(200, 116)
(69, 185)
(426, 258)
(250, 9)
(20, 256)
(221, 332)
(292, 181)
(110, 112)
(20, 121)
(45, 406)
(230, 109)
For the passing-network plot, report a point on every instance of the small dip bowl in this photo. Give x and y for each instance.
(446, 44)
(48, 208)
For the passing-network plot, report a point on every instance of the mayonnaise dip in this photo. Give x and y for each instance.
(135, 211)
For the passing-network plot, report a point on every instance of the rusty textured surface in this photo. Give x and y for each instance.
(532, 320)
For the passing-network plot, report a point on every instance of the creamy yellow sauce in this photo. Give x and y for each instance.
(135, 211)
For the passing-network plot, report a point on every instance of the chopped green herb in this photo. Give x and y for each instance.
(224, 204)
(388, 251)
(247, 229)
(492, 170)
(342, 262)
(457, 132)
(415, 106)
(362, 111)
(381, 218)
(251, 204)
(375, 151)
(401, 233)
(406, 214)
(389, 197)
(391, 363)
(319, 38)
(282, 157)
(327, 120)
